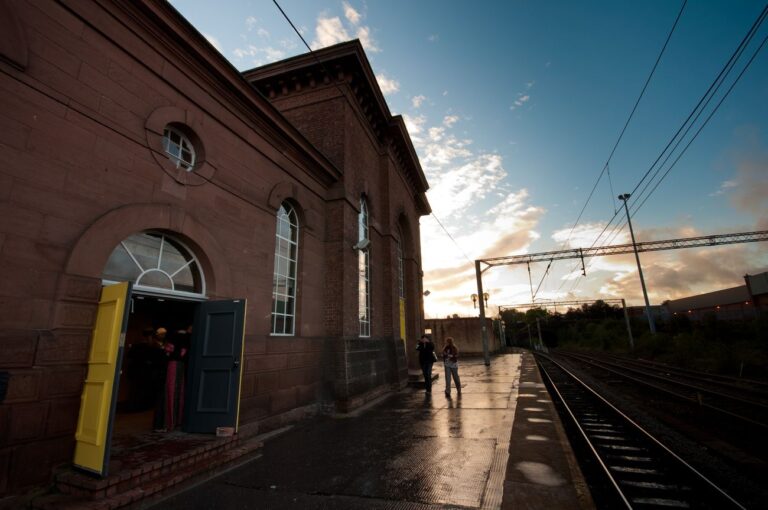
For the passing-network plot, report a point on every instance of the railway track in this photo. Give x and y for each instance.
(745, 402)
(629, 467)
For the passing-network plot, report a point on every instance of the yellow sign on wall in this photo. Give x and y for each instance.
(402, 319)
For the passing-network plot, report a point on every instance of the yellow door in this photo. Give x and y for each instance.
(402, 319)
(97, 404)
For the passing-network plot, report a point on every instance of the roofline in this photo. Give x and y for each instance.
(353, 49)
(217, 64)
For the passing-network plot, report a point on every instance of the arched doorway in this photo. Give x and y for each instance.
(163, 357)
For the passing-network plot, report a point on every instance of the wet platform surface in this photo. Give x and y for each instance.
(497, 445)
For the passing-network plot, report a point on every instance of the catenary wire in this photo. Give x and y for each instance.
(685, 128)
(288, 19)
(626, 124)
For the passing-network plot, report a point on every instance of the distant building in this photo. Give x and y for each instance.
(735, 303)
(467, 333)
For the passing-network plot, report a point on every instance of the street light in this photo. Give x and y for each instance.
(624, 197)
(474, 300)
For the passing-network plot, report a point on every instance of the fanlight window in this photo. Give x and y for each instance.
(157, 263)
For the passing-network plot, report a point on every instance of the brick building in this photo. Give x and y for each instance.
(134, 152)
(736, 303)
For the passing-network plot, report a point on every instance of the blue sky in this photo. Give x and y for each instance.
(514, 108)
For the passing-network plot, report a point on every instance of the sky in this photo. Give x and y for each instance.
(514, 108)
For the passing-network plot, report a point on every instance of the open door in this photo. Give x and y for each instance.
(99, 398)
(215, 371)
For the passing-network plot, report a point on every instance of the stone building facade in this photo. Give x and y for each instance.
(467, 332)
(127, 139)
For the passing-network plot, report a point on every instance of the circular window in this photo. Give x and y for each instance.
(156, 263)
(179, 148)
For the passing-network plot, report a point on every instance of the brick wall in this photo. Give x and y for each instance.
(82, 171)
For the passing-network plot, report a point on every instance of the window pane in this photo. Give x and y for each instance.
(145, 248)
(289, 325)
(280, 304)
(120, 266)
(279, 324)
(156, 279)
(282, 248)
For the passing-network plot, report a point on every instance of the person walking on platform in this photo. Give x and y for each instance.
(451, 362)
(427, 358)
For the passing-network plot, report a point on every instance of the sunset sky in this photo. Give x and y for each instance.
(514, 108)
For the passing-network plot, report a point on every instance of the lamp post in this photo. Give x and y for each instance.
(474, 300)
(624, 197)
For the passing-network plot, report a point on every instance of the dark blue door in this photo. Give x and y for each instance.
(215, 366)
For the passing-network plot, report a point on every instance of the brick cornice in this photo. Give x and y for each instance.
(346, 66)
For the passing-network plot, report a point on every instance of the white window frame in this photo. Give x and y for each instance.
(364, 268)
(183, 143)
(160, 291)
(286, 213)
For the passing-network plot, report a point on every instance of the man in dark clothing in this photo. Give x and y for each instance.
(426, 358)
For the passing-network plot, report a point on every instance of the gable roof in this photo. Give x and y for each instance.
(347, 61)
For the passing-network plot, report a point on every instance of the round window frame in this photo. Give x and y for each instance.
(190, 126)
(186, 143)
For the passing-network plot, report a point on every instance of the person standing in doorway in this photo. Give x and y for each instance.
(170, 409)
(451, 362)
(427, 358)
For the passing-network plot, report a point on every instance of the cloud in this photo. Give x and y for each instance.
(364, 34)
(520, 101)
(470, 194)
(251, 22)
(331, 30)
(414, 125)
(388, 85)
(433, 38)
(351, 14)
(450, 120)
(750, 194)
(215, 42)
(417, 100)
(724, 186)
(259, 55)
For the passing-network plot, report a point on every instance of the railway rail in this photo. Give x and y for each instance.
(636, 470)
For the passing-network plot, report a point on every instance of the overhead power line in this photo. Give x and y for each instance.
(618, 249)
(626, 124)
(677, 139)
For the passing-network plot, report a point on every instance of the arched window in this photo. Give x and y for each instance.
(156, 264)
(284, 280)
(364, 288)
(179, 148)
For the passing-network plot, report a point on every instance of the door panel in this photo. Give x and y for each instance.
(215, 368)
(99, 399)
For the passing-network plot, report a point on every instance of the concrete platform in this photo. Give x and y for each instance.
(498, 445)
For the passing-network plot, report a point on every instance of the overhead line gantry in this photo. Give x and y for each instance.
(600, 251)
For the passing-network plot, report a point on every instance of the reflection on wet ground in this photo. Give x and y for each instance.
(412, 451)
